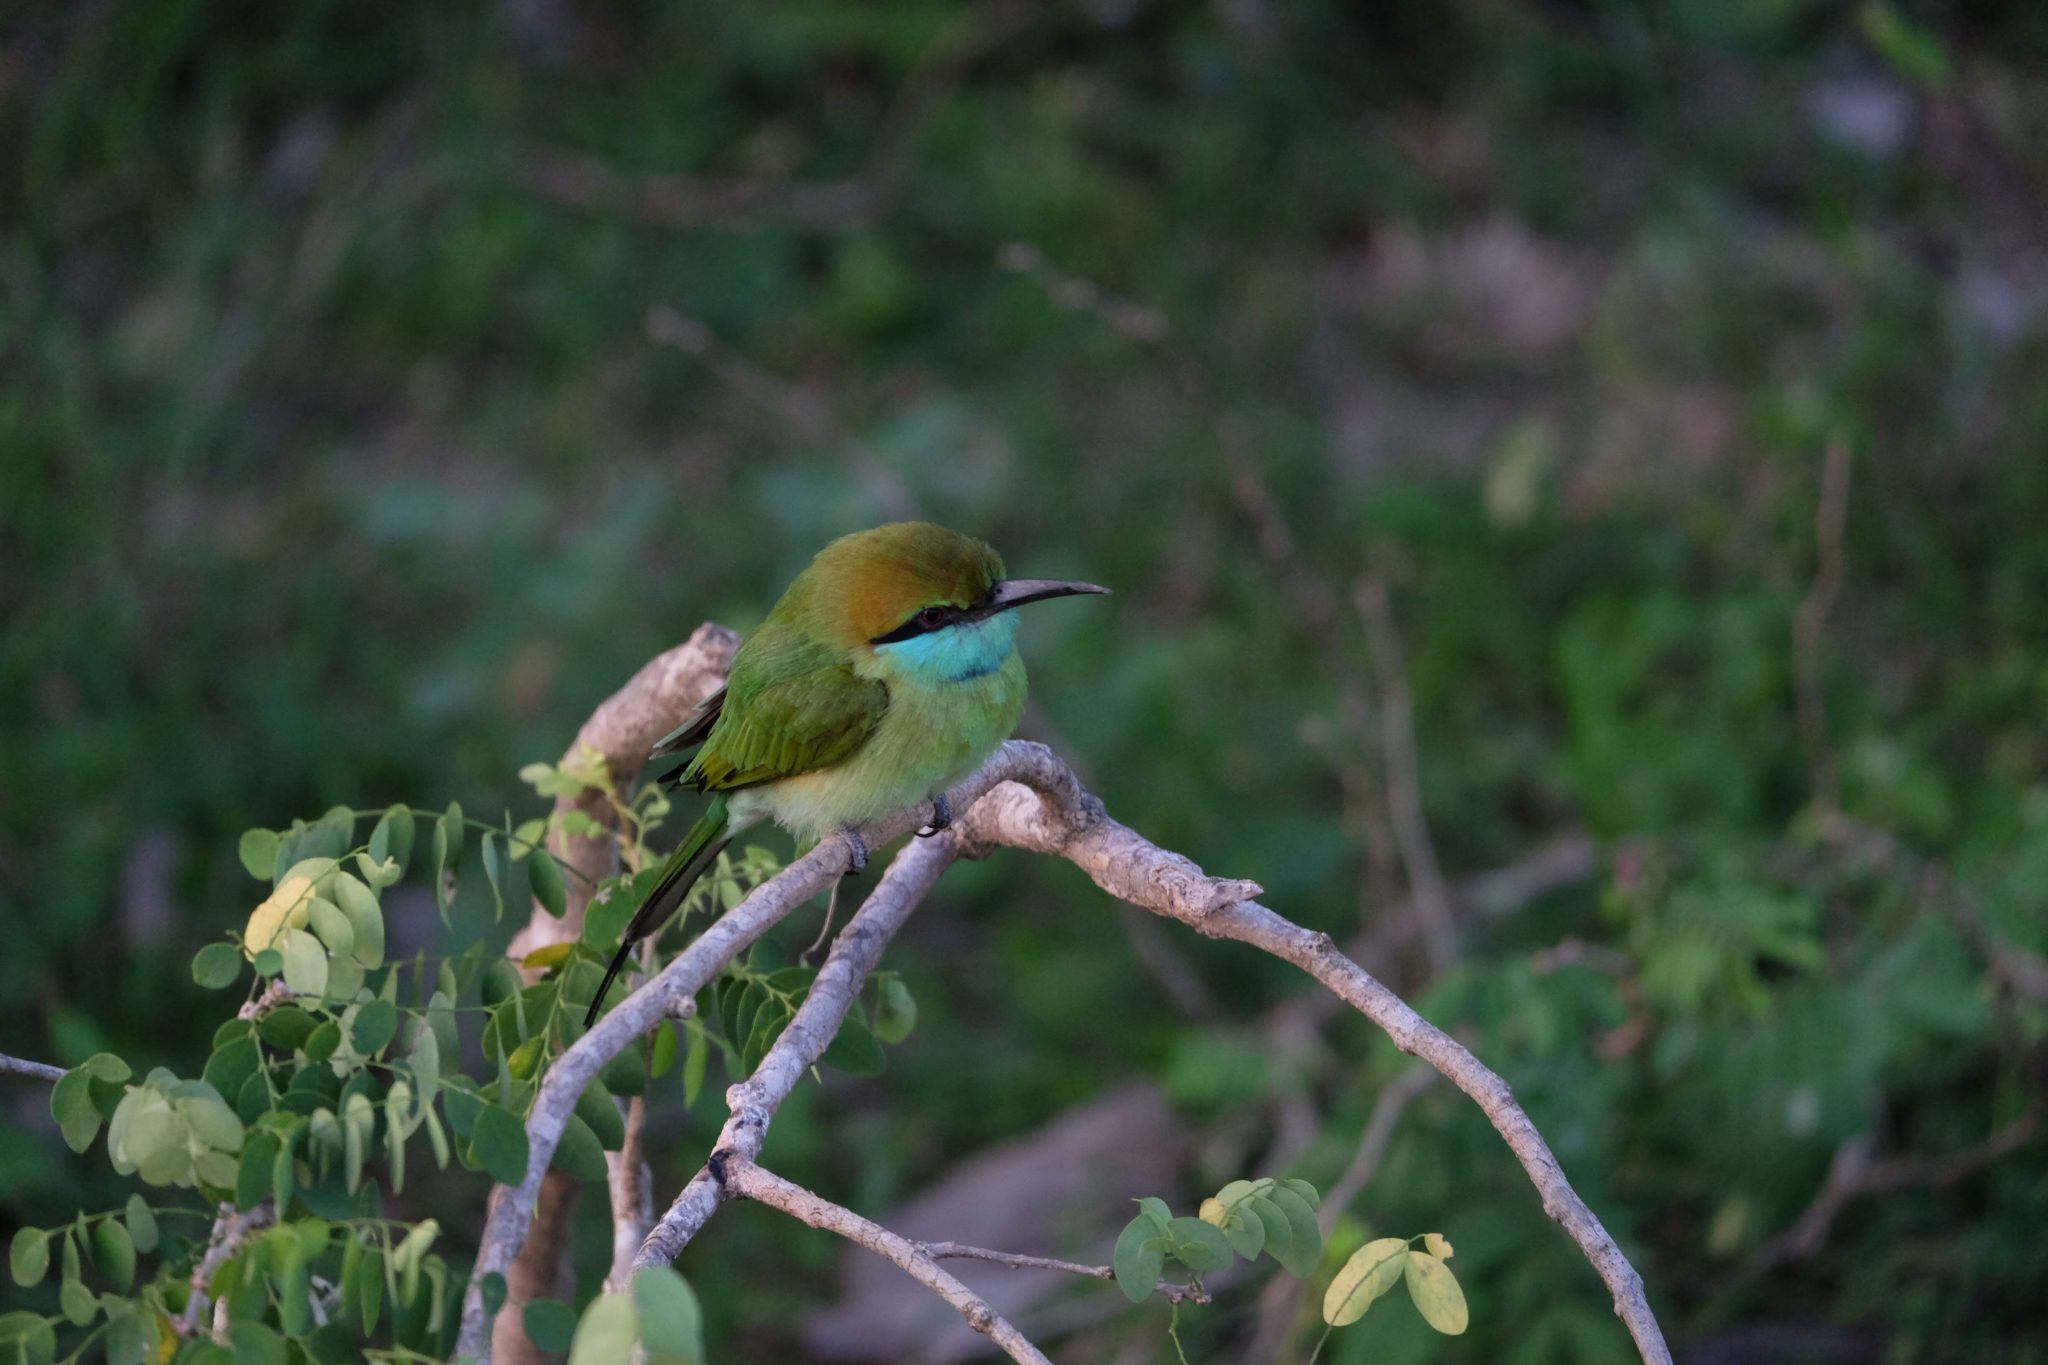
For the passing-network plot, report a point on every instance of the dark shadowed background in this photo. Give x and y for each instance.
(1652, 394)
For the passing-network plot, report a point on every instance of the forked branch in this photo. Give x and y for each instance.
(1025, 798)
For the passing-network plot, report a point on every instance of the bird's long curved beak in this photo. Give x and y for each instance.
(1015, 592)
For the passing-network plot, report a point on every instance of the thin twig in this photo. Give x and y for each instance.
(749, 1181)
(960, 1251)
(1372, 1144)
(1404, 775)
(1855, 1172)
(1829, 522)
(230, 1231)
(630, 1180)
(752, 1104)
(35, 1071)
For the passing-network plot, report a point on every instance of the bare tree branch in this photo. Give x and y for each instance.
(35, 1071)
(1025, 798)
(230, 1231)
(631, 1181)
(749, 1181)
(752, 1104)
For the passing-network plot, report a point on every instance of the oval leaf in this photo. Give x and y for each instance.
(1139, 1257)
(550, 1325)
(1369, 1273)
(1436, 1294)
(28, 1258)
(501, 1147)
(217, 965)
(544, 875)
(671, 1323)
(113, 1251)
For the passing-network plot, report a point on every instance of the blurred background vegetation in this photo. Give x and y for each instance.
(380, 384)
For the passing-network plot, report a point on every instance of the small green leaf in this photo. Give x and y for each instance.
(550, 1325)
(141, 1224)
(1305, 1239)
(1370, 1272)
(365, 920)
(256, 1343)
(1155, 1210)
(113, 1251)
(376, 1024)
(258, 852)
(268, 963)
(392, 838)
(77, 1303)
(501, 1147)
(544, 874)
(578, 1155)
(1245, 1231)
(217, 965)
(525, 1059)
(494, 1288)
(324, 1041)
(596, 1107)
(1305, 1190)
(1199, 1246)
(854, 1049)
(28, 1257)
(26, 1339)
(607, 1332)
(501, 981)
(253, 1169)
(285, 1027)
(1437, 1295)
(895, 1011)
(131, 1335)
(305, 962)
(663, 1054)
(1278, 1230)
(231, 1066)
(78, 1119)
(695, 1060)
(670, 1320)
(497, 867)
(1139, 1257)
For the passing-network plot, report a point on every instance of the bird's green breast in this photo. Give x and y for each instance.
(936, 730)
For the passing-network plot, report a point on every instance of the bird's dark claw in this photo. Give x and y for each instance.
(942, 817)
(856, 849)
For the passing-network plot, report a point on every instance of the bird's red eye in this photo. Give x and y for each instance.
(931, 618)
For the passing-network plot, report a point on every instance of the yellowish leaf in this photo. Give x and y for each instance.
(553, 955)
(1436, 1294)
(285, 908)
(1370, 1272)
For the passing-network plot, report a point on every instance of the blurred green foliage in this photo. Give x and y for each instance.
(338, 465)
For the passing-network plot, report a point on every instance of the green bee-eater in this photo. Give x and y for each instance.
(887, 672)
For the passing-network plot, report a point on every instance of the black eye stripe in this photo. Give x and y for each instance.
(923, 621)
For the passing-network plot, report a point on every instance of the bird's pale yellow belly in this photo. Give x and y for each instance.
(934, 733)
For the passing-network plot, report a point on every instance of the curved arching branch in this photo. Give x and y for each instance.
(1026, 798)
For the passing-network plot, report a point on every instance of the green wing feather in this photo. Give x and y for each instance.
(791, 706)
